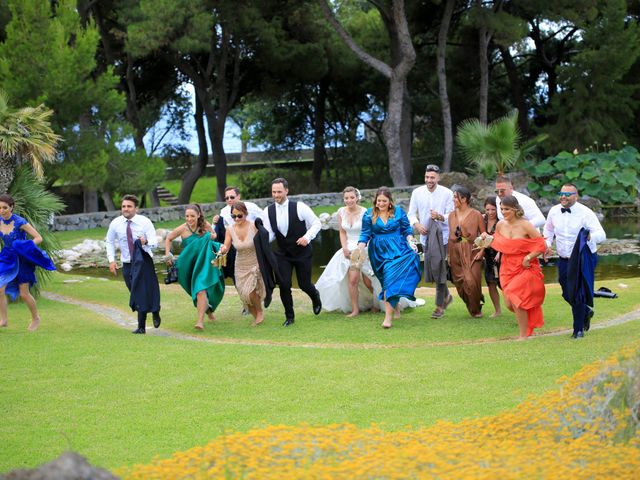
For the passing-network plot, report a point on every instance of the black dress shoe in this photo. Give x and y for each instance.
(578, 334)
(288, 322)
(317, 305)
(141, 331)
(156, 319)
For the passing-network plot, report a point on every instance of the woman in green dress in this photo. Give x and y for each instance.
(196, 274)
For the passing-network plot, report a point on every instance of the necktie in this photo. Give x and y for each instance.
(129, 238)
(565, 210)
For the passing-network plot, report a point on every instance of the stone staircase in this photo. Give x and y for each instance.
(166, 196)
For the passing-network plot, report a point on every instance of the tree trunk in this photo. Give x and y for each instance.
(90, 199)
(517, 95)
(7, 172)
(484, 75)
(391, 132)
(319, 150)
(445, 105)
(198, 168)
(215, 124)
(107, 198)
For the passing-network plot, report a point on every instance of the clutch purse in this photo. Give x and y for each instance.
(485, 242)
(172, 275)
(357, 258)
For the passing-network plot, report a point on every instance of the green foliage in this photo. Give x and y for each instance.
(610, 176)
(36, 205)
(133, 171)
(490, 149)
(257, 183)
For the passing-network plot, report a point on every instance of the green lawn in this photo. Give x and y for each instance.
(85, 384)
(205, 189)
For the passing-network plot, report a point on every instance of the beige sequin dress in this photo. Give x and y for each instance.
(247, 271)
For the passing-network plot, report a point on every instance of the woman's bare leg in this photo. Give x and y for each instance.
(522, 317)
(28, 299)
(202, 306)
(388, 313)
(495, 298)
(256, 309)
(4, 319)
(354, 280)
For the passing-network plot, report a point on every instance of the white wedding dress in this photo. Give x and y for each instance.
(333, 284)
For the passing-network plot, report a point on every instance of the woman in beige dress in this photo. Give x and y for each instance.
(249, 282)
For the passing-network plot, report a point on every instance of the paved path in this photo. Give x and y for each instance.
(128, 321)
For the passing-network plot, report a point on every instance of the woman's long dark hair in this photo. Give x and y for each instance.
(200, 226)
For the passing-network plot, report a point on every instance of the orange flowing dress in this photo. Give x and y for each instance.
(524, 287)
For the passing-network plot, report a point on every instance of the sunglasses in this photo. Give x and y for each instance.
(432, 168)
(237, 215)
(566, 194)
(229, 198)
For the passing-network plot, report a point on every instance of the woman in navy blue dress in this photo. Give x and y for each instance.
(18, 260)
(395, 262)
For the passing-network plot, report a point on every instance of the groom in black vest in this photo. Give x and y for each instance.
(293, 225)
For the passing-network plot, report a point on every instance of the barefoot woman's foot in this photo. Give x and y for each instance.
(396, 314)
(198, 326)
(386, 323)
(355, 313)
(35, 323)
(4, 324)
(211, 316)
(497, 314)
(259, 319)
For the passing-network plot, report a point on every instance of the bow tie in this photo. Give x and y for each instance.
(565, 210)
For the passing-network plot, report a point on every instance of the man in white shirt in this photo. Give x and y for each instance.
(293, 225)
(432, 203)
(504, 187)
(222, 221)
(125, 230)
(564, 224)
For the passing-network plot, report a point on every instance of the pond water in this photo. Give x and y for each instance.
(609, 266)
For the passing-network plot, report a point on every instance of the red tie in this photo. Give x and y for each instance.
(129, 238)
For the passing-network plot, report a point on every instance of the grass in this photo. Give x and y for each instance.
(83, 383)
(204, 190)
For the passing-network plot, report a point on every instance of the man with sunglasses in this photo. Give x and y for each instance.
(577, 232)
(293, 225)
(504, 188)
(429, 208)
(222, 221)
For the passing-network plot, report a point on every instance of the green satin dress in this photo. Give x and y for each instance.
(195, 271)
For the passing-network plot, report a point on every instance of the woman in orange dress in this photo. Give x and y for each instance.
(465, 262)
(520, 245)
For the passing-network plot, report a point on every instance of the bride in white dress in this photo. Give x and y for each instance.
(348, 283)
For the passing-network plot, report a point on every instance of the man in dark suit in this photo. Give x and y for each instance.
(293, 225)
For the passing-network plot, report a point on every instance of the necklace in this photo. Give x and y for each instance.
(7, 221)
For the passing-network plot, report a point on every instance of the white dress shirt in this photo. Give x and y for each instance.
(423, 201)
(531, 210)
(140, 225)
(254, 211)
(564, 227)
(305, 214)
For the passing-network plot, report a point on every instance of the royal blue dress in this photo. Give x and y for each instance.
(393, 261)
(19, 257)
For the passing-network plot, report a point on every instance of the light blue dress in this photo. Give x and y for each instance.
(394, 263)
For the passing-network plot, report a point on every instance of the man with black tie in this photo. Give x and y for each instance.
(293, 225)
(577, 231)
(141, 280)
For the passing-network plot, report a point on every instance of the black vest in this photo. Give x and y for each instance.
(297, 229)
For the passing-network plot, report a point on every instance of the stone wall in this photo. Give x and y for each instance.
(83, 221)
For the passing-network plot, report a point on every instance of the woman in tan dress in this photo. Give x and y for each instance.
(466, 223)
(249, 282)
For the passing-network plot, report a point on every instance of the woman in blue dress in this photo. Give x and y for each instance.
(18, 260)
(392, 253)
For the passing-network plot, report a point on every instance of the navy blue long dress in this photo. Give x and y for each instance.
(394, 263)
(19, 257)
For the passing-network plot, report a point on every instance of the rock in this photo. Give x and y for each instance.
(68, 466)
(66, 267)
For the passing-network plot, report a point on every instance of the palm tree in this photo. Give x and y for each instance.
(491, 149)
(25, 136)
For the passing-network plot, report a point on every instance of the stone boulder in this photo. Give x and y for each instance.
(68, 466)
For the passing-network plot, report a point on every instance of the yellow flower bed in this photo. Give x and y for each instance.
(589, 428)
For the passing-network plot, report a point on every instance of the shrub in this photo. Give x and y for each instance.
(609, 176)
